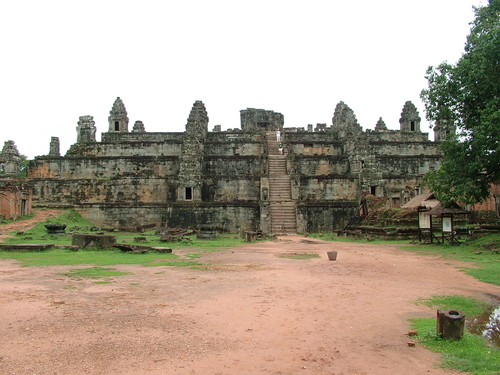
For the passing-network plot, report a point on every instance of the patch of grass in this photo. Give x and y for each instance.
(20, 218)
(485, 265)
(472, 353)
(94, 272)
(101, 282)
(299, 256)
(470, 306)
(94, 257)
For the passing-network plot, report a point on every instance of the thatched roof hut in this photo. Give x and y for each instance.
(426, 201)
(447, 209)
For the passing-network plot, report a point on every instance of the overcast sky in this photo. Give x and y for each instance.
(65, 59)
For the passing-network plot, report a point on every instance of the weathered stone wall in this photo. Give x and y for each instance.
(316, 217)
(104, 167)
(233, 217)
(200, 177)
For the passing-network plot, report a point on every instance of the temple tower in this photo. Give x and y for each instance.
(11, 159)
(190, 173)
(118, 119)
(410, 119)
(138, 127)
(344, 121)
(86, 130)
(442, 129)
(260, 119)
(381, 126)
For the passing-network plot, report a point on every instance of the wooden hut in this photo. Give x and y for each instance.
(422, 204)
(447, 211)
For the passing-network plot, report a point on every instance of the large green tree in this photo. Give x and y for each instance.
(466, 95)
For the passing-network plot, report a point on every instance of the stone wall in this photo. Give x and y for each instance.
(221, 177)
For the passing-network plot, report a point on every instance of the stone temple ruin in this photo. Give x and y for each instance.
(236, 179)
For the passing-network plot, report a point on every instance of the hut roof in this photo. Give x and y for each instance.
(450, 208)
(423, 200)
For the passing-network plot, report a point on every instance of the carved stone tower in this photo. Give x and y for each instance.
(410, 119)
(118, 120)
(10, 159)
(190, 173)
(138, 127)
(381, 126)
(86, 130)
(442, 129)
(344, 121)
(260, 119)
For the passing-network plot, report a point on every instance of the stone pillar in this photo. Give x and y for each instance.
(54, 147)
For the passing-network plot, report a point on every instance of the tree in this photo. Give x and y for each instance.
(467, 96)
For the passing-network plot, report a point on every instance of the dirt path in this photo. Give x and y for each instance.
(21, 226)
(249, 312)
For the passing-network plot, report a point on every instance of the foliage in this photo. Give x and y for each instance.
(467, 96)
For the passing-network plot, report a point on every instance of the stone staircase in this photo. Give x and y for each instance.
(283, 208)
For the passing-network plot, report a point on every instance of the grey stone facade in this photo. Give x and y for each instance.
(222, 177)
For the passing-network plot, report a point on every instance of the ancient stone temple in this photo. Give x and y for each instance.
(236, 179)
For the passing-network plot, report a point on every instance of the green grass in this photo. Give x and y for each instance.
(94, 272)
(97, 258)
(470, 306)
(299, 256)
(20, 218)
(472, 353)
(485, 265)
(74, 222)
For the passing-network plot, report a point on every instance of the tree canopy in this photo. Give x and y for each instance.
(466, 96)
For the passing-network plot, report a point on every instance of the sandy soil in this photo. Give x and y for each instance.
(248, 312)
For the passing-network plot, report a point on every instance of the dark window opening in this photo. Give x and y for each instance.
(412, 126)
(263, 124)
(308, 145)
(117, 125)
(189, 193)
(373, 190)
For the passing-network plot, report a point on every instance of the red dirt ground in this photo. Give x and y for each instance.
(249, 312)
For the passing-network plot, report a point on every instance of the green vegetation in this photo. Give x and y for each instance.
(485, 264)
(299, 256)
(472, 353)
(75, 223)
(20, 218)
(466, 95)
(95, 257)
(94, 272)
(468, 305)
